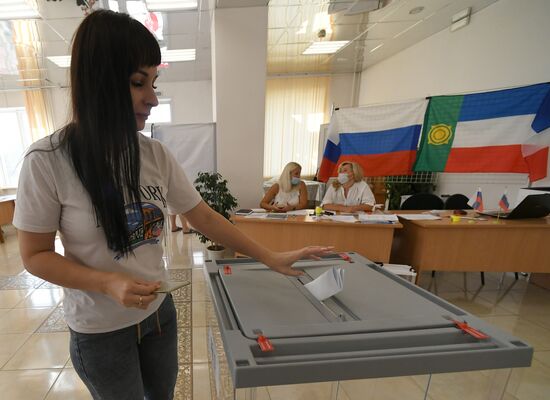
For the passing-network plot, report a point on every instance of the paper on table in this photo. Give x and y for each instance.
(300, 212)
(378, 217)
(328, 284)
(342, 218)
(414, 217)
(256, 215)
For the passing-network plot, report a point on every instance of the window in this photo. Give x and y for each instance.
(161, 114)
(295, 108)
(15, 137)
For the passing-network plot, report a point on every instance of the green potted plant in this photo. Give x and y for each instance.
(214, 191)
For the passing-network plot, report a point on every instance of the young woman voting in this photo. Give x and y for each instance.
(107, 190)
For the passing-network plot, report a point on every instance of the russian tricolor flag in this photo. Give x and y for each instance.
(382, 139)
(476, 201)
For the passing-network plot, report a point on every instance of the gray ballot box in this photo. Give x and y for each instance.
(274, 332)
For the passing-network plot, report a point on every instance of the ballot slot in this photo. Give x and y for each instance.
(335, 308)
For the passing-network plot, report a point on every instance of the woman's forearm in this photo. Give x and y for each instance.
(58, 269)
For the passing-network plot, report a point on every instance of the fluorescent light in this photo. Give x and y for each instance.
(178, 55)
(61, 61)
(165, 5)
(17, 9)
(166, 55)
(377, 47)
(328, 47)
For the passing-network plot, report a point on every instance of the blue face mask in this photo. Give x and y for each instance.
(294, 180)
(343, 178)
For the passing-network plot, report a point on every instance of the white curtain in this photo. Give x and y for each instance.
(295, 108)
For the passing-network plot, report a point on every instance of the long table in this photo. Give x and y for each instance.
(373, 241)
(474, 245)
(7, 207)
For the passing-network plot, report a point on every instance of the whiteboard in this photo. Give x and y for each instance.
(193, 146)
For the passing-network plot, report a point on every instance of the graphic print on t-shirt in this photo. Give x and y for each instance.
(146, 230)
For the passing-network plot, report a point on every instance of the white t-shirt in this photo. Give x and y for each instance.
(50, 198)
(358, 193)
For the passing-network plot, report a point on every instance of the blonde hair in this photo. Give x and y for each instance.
(355, 168)
(285, 183)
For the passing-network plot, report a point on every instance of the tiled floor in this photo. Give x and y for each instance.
(34, 359)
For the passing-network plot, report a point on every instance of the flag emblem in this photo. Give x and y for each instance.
(440, 134)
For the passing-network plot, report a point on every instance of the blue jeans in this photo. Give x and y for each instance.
(118, 365)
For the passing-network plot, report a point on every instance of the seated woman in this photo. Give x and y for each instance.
(349, 193)
(289, 194)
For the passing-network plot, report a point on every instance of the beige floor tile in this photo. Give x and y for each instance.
(438, 284)
(386, 388)
(200, 354)
(530, 383)
(533, 300)
(23, 320)
(543, 357)
(41, 351)
(69, 386)
(9, 344)
(473, 304)
(533, 334)
(199, 313)
(42, 298)
(198, 274)
(471, 385)
(306, 391)
(27, 385)
(199, 291)
(11, 297)
(201, 382)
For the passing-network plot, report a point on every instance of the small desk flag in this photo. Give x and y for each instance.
(503, 203)
(476, 201)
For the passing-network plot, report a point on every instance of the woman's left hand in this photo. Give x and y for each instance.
(282, 262)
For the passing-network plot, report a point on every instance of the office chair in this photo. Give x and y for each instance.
(423, 201)
(457, 202)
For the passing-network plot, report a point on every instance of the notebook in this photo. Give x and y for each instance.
(532, 206)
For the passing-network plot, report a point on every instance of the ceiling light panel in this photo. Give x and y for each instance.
(328, 47)
(17, 9)
(178, 55)
(171, 5)
(175, 55)
(61, 61)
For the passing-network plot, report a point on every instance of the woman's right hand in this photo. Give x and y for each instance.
(129, 291)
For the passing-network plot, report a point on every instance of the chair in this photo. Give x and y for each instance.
(423, 201)
(457, 202)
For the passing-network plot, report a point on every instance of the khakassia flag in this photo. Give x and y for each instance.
(485, 132)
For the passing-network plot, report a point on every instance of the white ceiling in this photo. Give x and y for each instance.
(290, 31)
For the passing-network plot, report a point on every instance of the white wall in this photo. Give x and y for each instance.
(12, 99)
(505, 44)
(191, 101)
(344, 89)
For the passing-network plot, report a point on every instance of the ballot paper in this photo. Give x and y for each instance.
(328, 284)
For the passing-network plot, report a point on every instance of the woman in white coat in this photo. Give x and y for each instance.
(349, 193)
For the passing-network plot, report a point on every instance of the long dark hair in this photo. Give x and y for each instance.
(102, 140)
